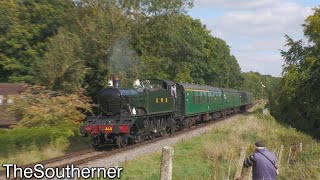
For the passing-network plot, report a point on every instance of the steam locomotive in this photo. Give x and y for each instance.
(157, 107)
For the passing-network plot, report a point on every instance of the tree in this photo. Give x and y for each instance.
(298, 101)
(253, 81)
(41, 107)
(165, 43)
(24, 29)
(62, 67)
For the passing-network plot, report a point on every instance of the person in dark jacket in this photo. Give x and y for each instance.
(263, 163)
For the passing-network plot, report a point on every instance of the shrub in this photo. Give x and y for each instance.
(39, 107)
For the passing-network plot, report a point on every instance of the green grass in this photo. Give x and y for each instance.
(197, 158)
(27, 145)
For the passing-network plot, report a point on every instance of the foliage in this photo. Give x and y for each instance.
(81, 43)
(47, 119)
(25, 137)
(64, 69)
(297, 101)
(39, 107)
(180, 48)
(253, 81)
(100, 25)
(25, 26)
(168, 43)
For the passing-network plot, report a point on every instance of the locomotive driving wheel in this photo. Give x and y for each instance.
(140, 138)
(171, 126)
(170, 130)
(95, 142)
(122, 141)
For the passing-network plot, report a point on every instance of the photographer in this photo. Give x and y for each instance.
(262, 162)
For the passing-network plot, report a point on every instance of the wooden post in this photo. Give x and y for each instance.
(240, 162)
(300, 147)
(288, 161)
(247, 174)
(166, 163)
(279, 157)
(216, 169)
(229, 169)
(249, 177)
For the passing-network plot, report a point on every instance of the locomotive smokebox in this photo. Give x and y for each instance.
(116, 80)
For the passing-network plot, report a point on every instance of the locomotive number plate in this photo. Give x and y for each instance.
(109, 128)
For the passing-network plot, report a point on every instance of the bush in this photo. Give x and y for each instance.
(22, 138)
(46, 118)
(40, 107)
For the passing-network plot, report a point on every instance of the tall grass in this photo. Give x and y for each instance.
(201, 157)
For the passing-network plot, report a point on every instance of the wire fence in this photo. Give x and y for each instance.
(282, 161)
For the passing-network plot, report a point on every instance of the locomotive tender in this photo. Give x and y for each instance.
(157, 107)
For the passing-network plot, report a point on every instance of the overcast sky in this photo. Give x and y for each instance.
(255, 29)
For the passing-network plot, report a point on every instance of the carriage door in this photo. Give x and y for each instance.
(179, 101)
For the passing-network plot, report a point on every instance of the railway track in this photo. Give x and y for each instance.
(88, 155)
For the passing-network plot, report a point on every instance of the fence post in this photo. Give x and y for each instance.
(166, 163)
(279, 157)
(289, 157)
(216, 169)
(249, 174)
(240, 162)
(229, 169)
(300, 147)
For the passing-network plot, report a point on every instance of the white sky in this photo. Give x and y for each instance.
(255, 29)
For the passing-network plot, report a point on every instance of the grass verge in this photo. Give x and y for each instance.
(209, 155)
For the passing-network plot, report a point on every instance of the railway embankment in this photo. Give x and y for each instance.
(215, 153)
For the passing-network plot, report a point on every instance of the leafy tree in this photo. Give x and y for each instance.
(143, 38)
(253, 81)
(217, 67)
(62, 67)
(173, 39)
(25, 26)
(297, 101)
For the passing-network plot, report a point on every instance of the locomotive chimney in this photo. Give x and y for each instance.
(116, 81)
(110, 82)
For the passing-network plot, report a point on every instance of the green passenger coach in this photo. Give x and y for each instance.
(199, 99)
(231, 98)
